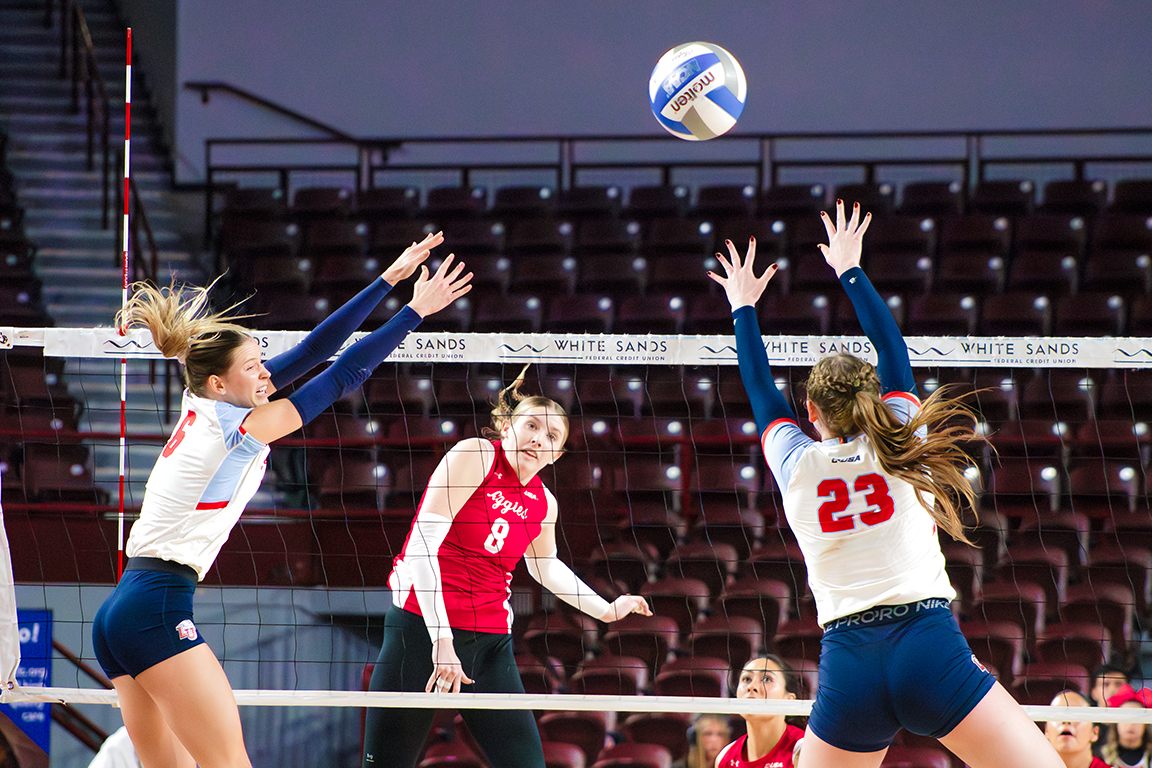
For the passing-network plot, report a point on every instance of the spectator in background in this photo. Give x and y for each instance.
(706, 737)
(1073, 740)
(1128, 744)
(1106, 682)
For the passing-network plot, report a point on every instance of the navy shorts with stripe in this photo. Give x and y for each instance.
(146, 619)
(895, 667)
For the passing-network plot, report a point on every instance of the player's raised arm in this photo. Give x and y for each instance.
(744, 289)
(327, 338)
(555, 575)
(845, 242)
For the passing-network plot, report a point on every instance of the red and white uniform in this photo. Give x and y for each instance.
(206, 474)
(489, 535)
(866, 538)
(735, 755)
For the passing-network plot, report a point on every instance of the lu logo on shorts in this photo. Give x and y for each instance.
(186, 629)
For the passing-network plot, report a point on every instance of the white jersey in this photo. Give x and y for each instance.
(206, 474)
(866, 539)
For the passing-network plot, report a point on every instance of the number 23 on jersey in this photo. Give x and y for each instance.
(835, 489)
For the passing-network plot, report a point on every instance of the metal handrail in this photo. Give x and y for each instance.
(765, 155)
(206, 87)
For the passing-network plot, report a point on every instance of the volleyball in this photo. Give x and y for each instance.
(697, 91)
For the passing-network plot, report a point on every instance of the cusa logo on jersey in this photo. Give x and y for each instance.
(187, 630)
(976, 661)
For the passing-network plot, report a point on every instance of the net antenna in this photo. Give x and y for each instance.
(124, 306)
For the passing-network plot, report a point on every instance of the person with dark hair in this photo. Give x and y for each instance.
(175, 698)
(1107, 680)
(770, 742)
(450, 622)
(1129, 745)
(1073, 739)
(865, 502)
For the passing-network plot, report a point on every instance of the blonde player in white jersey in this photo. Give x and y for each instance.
(865, 502)
(175, 699)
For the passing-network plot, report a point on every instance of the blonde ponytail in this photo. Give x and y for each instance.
(511, 402)
(183, 328)
(846, 390)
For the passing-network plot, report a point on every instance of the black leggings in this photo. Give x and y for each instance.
(393, 737)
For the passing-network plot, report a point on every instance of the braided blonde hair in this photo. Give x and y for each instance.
(511, 402)
(184, 328)
(846, 391)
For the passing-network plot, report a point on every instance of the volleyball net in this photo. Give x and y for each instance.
(663, 492)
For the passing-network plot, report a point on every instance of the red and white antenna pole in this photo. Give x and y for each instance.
(124, 305)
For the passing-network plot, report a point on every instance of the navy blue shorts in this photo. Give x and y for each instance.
(893, 667)
(146, 619)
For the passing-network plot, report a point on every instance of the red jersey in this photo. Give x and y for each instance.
(735, 756)
(489, 535)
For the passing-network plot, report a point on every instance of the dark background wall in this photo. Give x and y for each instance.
(449, 67)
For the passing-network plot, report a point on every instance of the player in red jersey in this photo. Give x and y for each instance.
(770, 741)
(1073, 740)
(450, 622)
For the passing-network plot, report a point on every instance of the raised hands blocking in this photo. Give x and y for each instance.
(432, 293)
(844, 238)
(413, 256)
(741, 285)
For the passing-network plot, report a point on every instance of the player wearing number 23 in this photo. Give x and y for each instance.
(449, 626)
(865, 502)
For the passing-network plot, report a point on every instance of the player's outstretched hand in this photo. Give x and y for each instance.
(624, 605)
(413, 256)
(447, 673)
(844, 238)
(432, 293)
(741, 285)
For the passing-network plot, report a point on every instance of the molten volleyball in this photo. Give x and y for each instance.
(697, 91)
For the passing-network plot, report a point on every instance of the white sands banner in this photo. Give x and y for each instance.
(609, 349)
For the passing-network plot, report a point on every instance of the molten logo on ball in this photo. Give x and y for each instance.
(697, 91)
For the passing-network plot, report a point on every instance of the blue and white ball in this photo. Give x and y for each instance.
(697, 91)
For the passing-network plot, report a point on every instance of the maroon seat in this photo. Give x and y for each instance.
(1132, 196)
(668, 729)
(1075, 197)
(523, 202)
(725, 201)
(585, 730)
(1126, 565)
(558, 754)
(680, 599)
(667, 236)
(1083, 643)
(656, 201)
(1067, 531)
(1024, 605)
(1037, 565)
(799, 638)
(713, 563)
(792, 200)
(592, 202)
(608, 675)
(310, 204)
(1104, 489)
(1039, 682)
(736, 638)
(567, 636)
(622, 561)
(540, 237)
(932, 198)
(387, 203)
(614, 236)
(1003, 198)
(694, 676)
(765, 601)
(998, 642)
(649, 638)
(455, 203)
(1110, 605)
(876, 197)
(731, 524)
(800, 313)
(637, 754)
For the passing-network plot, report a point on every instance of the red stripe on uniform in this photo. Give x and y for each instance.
(213, 504)
(242, 430)
(904, 395)
(773, 424)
